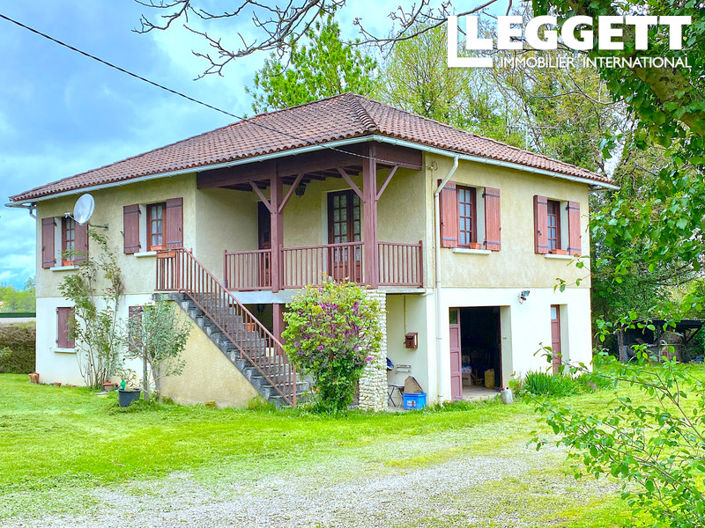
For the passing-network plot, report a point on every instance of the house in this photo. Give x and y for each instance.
(461, 237)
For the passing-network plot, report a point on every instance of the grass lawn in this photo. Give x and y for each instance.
(58, 445)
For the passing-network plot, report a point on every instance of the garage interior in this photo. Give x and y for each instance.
(480, 342)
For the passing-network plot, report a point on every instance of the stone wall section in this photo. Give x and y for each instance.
(373, 382)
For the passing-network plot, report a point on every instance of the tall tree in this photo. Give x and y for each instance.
(416, 77)
(322, 67)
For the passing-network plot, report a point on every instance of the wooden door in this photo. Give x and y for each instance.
(344, 225)
(456, 370)
(556, 359)
(264, 241)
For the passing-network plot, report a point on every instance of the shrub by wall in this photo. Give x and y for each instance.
(17, 348)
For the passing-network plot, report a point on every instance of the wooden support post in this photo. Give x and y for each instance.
(277, 229)
(369, 213)
(277, 320)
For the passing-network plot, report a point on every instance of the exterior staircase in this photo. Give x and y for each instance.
(251, 348)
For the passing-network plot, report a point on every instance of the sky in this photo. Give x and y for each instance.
(62, 114)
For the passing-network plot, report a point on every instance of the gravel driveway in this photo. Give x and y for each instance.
(425, 481)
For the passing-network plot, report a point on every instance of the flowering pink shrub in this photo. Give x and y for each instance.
(331, 332)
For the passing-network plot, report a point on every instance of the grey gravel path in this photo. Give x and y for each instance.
(339, 493)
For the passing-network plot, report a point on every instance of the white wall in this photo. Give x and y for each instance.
(525, 327)
(62, 366)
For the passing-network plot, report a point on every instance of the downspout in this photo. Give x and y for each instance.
(437, 233)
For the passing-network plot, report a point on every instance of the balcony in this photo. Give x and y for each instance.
(399, 264)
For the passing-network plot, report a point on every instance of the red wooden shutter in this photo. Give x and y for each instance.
(48, 250)
(540, 224)
(493, 221)
(64, 320)
(81, 243)
(174, 220)
(574, 237)
(131, 229)
(449, 215)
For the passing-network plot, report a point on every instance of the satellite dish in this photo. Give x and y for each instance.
(83, 210)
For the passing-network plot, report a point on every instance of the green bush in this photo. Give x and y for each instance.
(331, 332)
(17, 348)
(544, 384)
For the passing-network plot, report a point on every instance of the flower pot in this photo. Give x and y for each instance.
(57, 384)
(474, 245)
(558, 251)
(250, 327)
(34, 377)
(109, 385)
(126, 397)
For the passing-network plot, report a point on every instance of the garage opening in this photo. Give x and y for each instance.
(475, 332)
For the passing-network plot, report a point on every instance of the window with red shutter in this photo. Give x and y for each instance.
(131, 229)
(155, 226)
(553, 224)
(80, 243)
(68, 238)
(64, 322)
(574, 235)
(449, 215)
(540, 224)
(48, 248)
(134, 312)
(467, 216)
(493, 219)
(174, 223)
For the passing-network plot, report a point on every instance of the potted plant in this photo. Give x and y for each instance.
(474, 245)
(127, 394)
(558, 251)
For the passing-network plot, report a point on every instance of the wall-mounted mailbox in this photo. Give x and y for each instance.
(411, 340)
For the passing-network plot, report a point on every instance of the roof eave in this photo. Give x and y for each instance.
(311, 148)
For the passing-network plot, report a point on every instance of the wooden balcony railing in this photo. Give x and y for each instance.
(179, 271)
(248, 270)
(400, 264)
(310, 265)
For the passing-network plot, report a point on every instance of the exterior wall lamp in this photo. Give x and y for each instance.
(523, 296)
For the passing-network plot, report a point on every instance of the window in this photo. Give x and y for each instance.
(64, 322)
(151, 227)
(467, 216)
(553, 224)
(134, 313)
(155, 226)
(68, 241)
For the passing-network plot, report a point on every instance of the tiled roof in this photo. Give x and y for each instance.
(341, 117)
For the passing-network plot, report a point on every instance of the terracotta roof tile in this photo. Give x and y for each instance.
(340, 117)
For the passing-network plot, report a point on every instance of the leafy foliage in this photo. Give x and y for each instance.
(96, 289)
(654, 444)
(14, 300)
(331, 332)
(17, 350)
(545, 384)
(158, 338)
(323, 67)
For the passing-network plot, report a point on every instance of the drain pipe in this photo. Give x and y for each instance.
(437, 233)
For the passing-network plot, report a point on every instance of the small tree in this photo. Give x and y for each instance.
(331, 332)
(158, 338)
(96, 289)
(651, 438)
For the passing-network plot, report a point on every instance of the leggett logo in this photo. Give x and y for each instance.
(576, 33)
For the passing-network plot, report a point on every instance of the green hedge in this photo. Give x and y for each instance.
(17, 348)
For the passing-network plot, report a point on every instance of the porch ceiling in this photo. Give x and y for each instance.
(317, 165)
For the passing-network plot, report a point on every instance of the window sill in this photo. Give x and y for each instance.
(467, 251)
(559, 257)
(65, 350)
(143, 254)
(64, 268)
